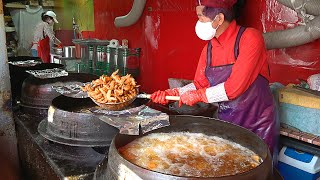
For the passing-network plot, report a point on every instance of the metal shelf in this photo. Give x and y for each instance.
(300, 136)
(300, 145)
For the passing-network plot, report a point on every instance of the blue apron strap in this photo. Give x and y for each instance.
(236, 44)
(236, 47)
(209, 54)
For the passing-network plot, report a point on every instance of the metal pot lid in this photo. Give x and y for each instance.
(42, 129)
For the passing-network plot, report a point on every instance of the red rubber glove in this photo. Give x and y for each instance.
(160, 96)
(192, 97)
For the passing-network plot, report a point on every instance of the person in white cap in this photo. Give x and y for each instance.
(43, 34)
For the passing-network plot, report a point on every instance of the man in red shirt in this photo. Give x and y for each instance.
(232, 71)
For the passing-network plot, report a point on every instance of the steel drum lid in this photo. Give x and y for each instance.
(68, 124)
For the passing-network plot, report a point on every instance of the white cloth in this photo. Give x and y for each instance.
(314, 82)
(24, 21)
(216, 93)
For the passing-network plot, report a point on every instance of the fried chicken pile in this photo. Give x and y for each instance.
(112, 89)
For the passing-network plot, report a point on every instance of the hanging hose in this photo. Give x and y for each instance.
(133, 16)
(312, 6)
(293, 37)
(301, 34)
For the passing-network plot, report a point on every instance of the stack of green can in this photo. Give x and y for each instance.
(83, 66)
(100, 63)
(125, 61)
(90, 60)
(107, 51)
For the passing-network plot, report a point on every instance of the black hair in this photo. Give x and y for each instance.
(45, 17)
(213, 12)
(237, 8)
(229, 14)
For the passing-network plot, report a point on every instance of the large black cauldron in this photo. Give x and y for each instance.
(18, 73)
(37, 94)
(70, 122)
(117, 166)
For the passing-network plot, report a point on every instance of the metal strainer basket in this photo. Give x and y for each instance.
(114, 106)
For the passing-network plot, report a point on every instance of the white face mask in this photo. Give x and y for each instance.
(205, 31)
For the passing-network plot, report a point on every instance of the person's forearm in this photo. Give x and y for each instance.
(56, 41)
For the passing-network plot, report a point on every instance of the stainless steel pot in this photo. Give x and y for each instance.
(58, 51)
(117, 166)
(69, 52)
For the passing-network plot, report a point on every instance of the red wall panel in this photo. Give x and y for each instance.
(170, 48)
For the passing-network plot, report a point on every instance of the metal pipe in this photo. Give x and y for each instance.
(293, 37)
(311, 7)
(299, 35)
(8, 141)
(133, 16)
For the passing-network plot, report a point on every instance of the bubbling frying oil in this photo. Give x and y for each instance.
(190, 155)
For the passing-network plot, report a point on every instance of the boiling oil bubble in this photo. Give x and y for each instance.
(190, 154)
